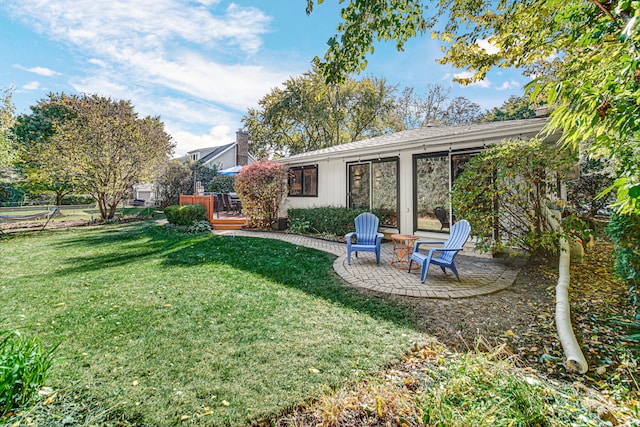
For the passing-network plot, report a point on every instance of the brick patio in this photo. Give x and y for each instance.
(478, 275)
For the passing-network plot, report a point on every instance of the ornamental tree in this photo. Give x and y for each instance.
(261, 187)
(108, 148)
(503, 193)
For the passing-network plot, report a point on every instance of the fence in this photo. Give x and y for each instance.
(206, 201)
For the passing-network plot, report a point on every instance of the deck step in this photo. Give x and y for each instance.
(228, 223)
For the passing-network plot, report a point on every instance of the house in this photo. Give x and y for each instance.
(406, 176)
(225, 156)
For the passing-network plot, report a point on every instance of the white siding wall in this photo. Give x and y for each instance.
(332, 187)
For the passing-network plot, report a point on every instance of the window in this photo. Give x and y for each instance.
(434, 174)
(373, 185)
(303, 181)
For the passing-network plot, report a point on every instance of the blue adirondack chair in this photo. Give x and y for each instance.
(367, 237)
(458, 237)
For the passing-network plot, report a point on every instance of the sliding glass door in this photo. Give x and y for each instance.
(373, 185)
(434, 175)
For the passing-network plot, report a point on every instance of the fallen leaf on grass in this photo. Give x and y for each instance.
(313, 370)
(207, 411)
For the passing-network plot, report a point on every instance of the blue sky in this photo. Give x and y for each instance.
(198, 64)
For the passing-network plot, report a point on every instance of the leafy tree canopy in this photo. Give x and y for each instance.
(308, 114)
(40, 161)
(584, 55)
(514, 108)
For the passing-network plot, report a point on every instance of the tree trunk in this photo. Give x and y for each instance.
(112, 209)
(102, 205)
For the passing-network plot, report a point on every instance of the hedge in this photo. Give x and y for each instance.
(325, 220)
(185, 214)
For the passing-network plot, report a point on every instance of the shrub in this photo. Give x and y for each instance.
(222, 184)
(578, 227)
(261, 187)
(23, 369)
(185, 214)
(324, 220)
(503, 192)
(624, 231)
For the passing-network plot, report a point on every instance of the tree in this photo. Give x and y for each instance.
(7, 120)
(40, 161)
(308, 114)
(461, 111)
(108, 148)
(434, 108)
(584, 55)
(175, 179)
(514, 108)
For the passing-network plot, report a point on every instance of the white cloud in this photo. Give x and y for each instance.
(488, 47)
(98, 62)
(169, 57)
(187, 141)
(41, 71)
(507, 85)
(485, 83)
(31, 86)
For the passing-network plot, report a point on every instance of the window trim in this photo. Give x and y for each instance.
(303, 190)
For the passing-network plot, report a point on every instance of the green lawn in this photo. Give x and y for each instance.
(156, 326)
(72, 212)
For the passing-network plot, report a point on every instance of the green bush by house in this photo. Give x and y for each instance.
(186, 214)
(324, 220)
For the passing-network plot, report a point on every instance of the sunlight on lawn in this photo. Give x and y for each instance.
(157, 326)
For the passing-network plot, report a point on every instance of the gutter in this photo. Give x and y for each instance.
(575, 361)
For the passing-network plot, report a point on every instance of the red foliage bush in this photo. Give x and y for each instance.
(261, 187)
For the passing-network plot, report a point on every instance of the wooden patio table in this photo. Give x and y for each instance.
(402, 249)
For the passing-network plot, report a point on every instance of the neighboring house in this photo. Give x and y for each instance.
(224, 156)
(406, 176)
(144, 192)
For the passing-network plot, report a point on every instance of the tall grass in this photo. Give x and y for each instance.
(24, 366)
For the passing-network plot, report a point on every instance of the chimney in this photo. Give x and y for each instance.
(242, 147)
